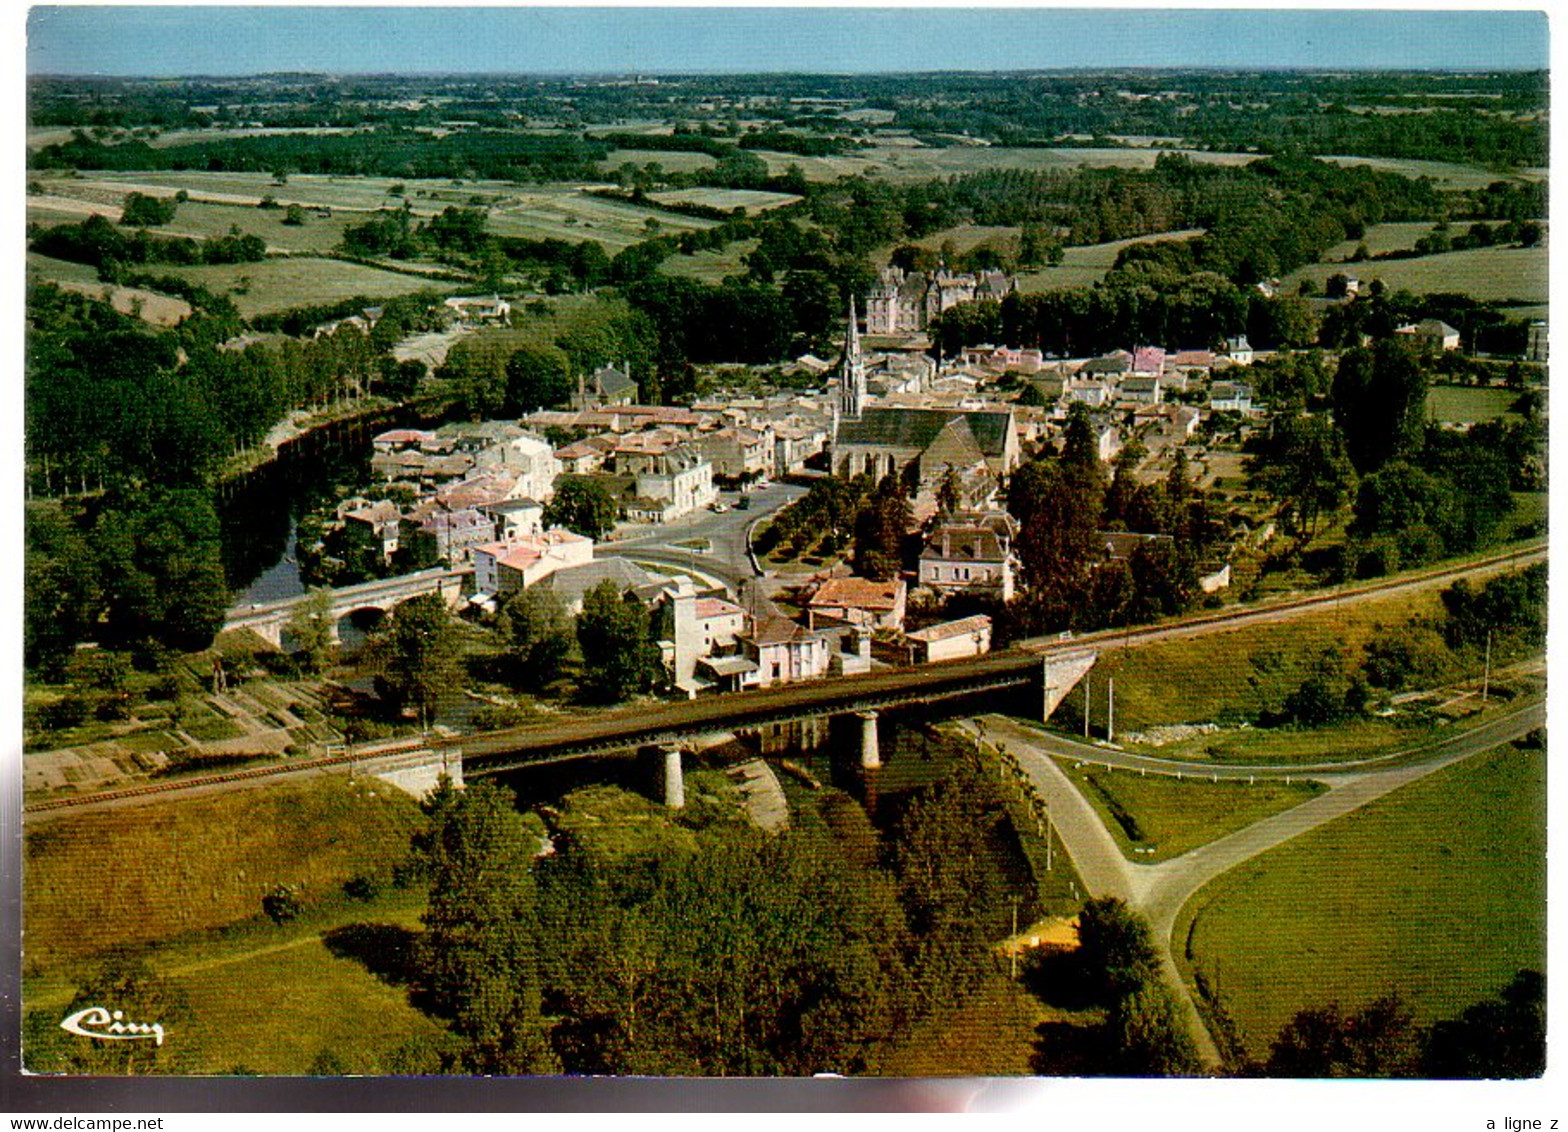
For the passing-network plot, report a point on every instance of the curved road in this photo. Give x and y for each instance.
(1160, 891)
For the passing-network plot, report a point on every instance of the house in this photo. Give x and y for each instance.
(1191, 363)
(513, 518)
(479, 310)
(584, 457)
(570, 584)
(1091, 393)
(606, 386)
(381, 519)
(1114, 364)
(859, 602)
(1107, 440)
(458, 532)
(780, 651)
(1239, 350)
(501, 448)
(970, 553)
(1431, 334)
(680, 478)
(737, 453)
(691, 627)
(907, 302)
(1141, 390)
(1120, 546)
(501, 567)
(1230, 397)
(1148, 361)
(968, 636)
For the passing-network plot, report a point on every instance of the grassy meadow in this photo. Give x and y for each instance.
(1156, 818)
(1436, 892)
(1489, 274)
(280, 284)
(1460, 403)
(137, 874)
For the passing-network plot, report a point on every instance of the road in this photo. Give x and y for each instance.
(725, 532)
(1160, 891)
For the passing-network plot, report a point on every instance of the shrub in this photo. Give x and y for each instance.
(282, 904)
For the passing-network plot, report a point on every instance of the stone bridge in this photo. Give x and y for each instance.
(270, 619)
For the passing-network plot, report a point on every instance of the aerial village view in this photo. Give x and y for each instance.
(739, 570)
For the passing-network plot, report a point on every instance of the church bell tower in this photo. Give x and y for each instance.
(852, 376)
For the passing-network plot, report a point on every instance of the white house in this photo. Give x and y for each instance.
(501, 567)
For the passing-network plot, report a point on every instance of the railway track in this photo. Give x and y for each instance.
(616, 730)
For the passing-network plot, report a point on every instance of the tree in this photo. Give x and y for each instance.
(536, 379)
(417, 651)
(478, 957)
(62, 597)
(1379, 401)
(310, 629)
(1380, 1040)
(294, 216)
(538, 630)
(1503, 1037)
(160, 560)
(619, 656)
(583, 506)
(880, 529)
(143, 211)
(1304, 465)
(1115, 949)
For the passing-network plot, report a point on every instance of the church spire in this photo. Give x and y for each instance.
(852, 378)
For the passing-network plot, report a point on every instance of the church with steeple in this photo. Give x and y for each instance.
(922, 444)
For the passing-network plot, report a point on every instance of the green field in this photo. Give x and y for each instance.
(710, 266)
(1446, 174)
(1488, 274)
(273, 999)
(1171, 816)
(921, 163)
(1086, 266)
(672, 160)
(1379, 239)
(281, 284)
(138, 874)
(561, 211)
(1469, 403)
(726, 199)
(1436, 892)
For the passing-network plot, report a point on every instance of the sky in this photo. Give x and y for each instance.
(179, 40)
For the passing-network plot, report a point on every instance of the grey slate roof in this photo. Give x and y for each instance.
(917, 428)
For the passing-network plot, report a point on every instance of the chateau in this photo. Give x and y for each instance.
(906, 303)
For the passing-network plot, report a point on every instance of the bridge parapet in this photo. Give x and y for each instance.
(419, 772)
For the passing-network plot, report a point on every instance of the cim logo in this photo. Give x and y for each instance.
(110, 1026)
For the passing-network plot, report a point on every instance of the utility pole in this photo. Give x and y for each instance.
(1486, 673)
(1088, 705)
(1110, 709)
(1012, 949)
(1048, 837)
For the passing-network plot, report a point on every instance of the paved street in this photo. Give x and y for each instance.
(1160, 891)
(724, 532)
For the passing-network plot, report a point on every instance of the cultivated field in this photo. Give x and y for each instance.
(726, 199)
(558, 211)
(905, 163)
(1436, 892)
(281, 284)
(672, 160)
(1488, 274)
(1447, 175)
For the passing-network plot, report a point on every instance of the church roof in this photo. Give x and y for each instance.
(917, 428)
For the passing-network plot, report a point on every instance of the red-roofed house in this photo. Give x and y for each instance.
(860, 602)
(501, 567)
